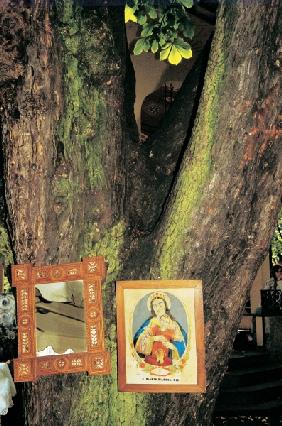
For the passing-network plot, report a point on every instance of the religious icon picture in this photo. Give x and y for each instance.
(160, 328)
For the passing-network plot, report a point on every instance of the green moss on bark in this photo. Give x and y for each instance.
(5, 253)
(5, 248)
(195, 172)
(100, 403)
(63, 187)
(88, 60)
(109, 245)
(90, 65)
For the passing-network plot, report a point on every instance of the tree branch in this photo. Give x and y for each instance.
(224, 206)
(152, 166)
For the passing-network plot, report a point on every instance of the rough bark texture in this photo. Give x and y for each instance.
(28, 132)
(222, 211)
(62, 129)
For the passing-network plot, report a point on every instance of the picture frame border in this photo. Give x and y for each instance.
(123, 386)
(95, 360)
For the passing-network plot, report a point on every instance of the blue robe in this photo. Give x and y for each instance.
(179, 345)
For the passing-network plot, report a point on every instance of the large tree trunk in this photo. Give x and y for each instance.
(220, 217)
(63, 122)
(62, 131)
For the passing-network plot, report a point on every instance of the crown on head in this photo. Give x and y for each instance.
(158, 295)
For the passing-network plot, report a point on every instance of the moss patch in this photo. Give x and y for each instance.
(5, 249)
(63, 187)
(100, 402)
(109, 245)
(88, 59)
(5, 253)
(195, 172)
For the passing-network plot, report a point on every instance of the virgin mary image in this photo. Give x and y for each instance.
(161, 340)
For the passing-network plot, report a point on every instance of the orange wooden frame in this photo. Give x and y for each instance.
(96, 361)
(157, 385)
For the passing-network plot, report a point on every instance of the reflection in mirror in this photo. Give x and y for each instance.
(60, 323)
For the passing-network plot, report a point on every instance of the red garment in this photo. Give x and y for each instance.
(159, 355)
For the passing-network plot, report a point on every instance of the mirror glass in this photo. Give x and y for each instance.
(60, 321)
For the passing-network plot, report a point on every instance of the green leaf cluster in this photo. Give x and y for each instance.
(166, 28)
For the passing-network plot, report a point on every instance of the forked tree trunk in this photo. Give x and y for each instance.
(67, 126)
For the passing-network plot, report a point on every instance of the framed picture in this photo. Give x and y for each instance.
(60, 319)
(160, 328)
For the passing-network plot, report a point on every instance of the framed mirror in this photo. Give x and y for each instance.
(60, 319)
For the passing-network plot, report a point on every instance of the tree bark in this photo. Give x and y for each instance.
(224, 205)
(62, 130)
(154, 163)
(67, 126)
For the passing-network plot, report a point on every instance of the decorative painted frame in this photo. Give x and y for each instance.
(136, 374)
(96, 361)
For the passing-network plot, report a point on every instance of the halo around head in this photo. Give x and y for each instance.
(158, 295)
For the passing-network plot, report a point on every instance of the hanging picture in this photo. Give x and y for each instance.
(60, 319)
(160, 336)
